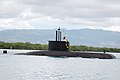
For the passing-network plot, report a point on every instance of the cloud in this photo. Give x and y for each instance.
(10, 9)
(103, 14)
(78, 8)
(14, 24)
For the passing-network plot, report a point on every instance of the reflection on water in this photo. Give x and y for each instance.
(22, 67)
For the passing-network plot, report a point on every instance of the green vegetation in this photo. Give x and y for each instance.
(31, 46)
(21, 45)
(96, 49)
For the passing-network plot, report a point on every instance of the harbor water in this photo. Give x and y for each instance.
(24, 67)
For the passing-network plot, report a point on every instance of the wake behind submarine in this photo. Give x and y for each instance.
(60, 48)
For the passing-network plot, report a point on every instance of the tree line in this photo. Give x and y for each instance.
(96, 49)
(31, 46)
(23, 45)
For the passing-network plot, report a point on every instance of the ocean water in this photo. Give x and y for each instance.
(24, 67)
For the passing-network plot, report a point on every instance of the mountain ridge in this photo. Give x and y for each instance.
(89, 37)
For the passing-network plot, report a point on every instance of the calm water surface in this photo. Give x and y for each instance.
(22, 67)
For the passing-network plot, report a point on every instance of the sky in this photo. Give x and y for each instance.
(51, 14)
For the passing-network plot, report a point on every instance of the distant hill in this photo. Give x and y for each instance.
(90, 37)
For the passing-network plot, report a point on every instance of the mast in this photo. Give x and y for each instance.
(58, 34)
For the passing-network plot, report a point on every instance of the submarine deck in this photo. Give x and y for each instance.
(70, 54)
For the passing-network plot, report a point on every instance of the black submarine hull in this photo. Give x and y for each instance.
(70, 54)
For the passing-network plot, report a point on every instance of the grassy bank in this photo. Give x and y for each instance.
(96, 49)
(31, 46)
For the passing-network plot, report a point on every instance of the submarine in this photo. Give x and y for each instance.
(60, 48)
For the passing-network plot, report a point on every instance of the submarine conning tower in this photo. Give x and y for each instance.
(58, 44)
